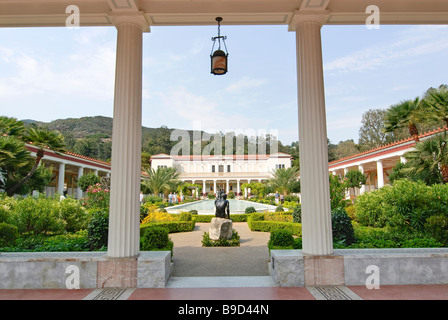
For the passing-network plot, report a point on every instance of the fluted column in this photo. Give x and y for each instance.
(124, 229)
(78, 189)
(380, 173)
(314, 175)
(61, 178)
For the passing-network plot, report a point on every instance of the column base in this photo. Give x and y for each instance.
(324, 270)
(117, 273)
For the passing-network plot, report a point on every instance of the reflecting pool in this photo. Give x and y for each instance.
(207, 206)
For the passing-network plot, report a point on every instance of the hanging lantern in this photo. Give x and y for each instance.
(219, 57)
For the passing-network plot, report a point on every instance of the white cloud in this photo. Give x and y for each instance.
(414, 42)
(245, 83)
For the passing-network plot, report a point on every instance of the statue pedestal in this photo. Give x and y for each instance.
(220, 228)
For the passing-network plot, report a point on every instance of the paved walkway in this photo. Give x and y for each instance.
(237, 273)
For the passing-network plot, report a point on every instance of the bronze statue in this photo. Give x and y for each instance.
(222, 205)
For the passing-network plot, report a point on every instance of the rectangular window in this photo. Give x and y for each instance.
(213, 168)
(221, 168)
(228, 168)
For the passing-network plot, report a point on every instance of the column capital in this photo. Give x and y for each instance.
(138, 18)
(314, 16)
(310, 11)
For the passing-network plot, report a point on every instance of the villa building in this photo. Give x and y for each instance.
(223, 172)
(377, 164)
(68, 167)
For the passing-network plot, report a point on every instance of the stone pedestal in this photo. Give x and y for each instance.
(220, 228)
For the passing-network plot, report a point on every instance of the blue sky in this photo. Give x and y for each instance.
(55, 73)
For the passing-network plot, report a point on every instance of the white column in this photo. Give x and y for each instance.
(80, 174)
(380, 173)
(347, 192)
(61, 178)
(238, 189)
(403, 160)
(314, 175)
(363, 187)
(203, 187)
(227, 186)
(214, 187)
(124, 228)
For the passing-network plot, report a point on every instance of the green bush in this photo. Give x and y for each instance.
(232, 242)
(281, 238)
(208, 217)
(297, 214)
(250, 210)
(38, 216)
(342, 226)
(437, 227)
(279, 209)
(256, 216)
(87, 180)
(8, 234)
(74, 214)
(97, 230)
(270, 226)
(185, 216)
(369, 208)
(172, 226)
(155, 238)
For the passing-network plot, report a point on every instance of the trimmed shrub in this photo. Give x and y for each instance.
(97, 230)
(250, 210)
(279, 209)
(270, 226)
(185, 216)
(232, 242)
(156, 238)
(342, 226)
(297, 214)
(172, 226)
(281, 238)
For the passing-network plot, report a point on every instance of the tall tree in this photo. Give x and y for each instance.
(285, 180)
(432, 155)
(41, 138)
(371, 133)
(405, 115)
(161, 180)
(437, 102)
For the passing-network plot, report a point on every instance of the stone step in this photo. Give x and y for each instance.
(220, 282)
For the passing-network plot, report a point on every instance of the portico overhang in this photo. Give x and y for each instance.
(52, 13)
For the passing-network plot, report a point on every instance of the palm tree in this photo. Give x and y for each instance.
(437, 101)
(13, 156)
(432, 155)
(405, 115)
(285, 180)
(162, 179)
(41, 138)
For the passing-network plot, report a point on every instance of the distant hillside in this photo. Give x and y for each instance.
(92, 137)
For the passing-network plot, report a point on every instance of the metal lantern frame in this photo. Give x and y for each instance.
(219, 58)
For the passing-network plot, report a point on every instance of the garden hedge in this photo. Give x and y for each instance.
(172, 226)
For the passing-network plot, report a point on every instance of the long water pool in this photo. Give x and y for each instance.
(208, 206)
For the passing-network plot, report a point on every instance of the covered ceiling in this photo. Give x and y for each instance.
(47, 13)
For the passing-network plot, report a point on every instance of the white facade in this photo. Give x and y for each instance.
(223, 172)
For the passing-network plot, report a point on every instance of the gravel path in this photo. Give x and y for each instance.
(192, 260)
